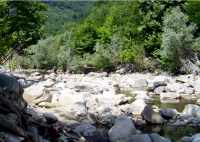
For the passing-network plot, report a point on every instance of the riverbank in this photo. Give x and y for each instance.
(112, 107)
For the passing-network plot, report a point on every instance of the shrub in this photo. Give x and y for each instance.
(53, 52)
(177, 39)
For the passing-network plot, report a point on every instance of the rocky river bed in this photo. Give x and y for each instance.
(102, 107)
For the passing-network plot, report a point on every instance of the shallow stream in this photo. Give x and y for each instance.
(175, 133)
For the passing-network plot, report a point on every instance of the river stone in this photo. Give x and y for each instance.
(196, 138)
(159, 90)
(122, 130)
(11, 89)
(36, 90)
(85, 129)
(50, 118)
(139, 138)
(186, 139)
(141, 95)
(157, 82)
(185, 78)
(196, 85)
(168, 113)
(140, 84)
(191, 110)
(12, 138)
(10, 84)
(157, 138)
(174, 87)
(151, 116)
(136, 107)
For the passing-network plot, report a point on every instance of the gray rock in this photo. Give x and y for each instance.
(196, 138)
(122, 130)
(140, 138)
(152, 116)
(140, 84)
(141, 95)
(85, 129)
(158, 81)
(10, 84)
(12, 90)
(157, 138)
(159, 90)
(191, 110)
(186, 139)
(137, 107)
(50, 118)
(13, 138)
(168, 113)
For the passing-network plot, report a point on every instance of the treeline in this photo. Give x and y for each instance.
(61, 13)
(147, 34)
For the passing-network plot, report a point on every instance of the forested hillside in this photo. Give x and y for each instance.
(142, 35)
(61, 13)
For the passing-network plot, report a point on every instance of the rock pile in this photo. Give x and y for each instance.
(98, 107)
(20, 123)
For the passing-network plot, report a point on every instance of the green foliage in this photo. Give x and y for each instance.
(21, 23)
(140, 32)
(61, 12)
(177, 39)
(152, 13)
(84, 38)
(50, 53)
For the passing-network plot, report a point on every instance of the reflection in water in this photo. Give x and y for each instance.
(178, 104)
(171, 132)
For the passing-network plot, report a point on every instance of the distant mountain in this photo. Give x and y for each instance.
(61, 12)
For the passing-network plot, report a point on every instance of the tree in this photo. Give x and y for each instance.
(152, 12)
(21, 23)
(177, 39)
(192, 9)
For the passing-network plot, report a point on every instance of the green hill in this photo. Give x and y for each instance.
(60, 13)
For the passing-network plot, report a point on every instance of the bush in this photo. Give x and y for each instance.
(177, 39)
(53, 52)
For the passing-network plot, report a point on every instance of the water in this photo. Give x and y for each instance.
(179, 105)
(175, 133)
(171, 132)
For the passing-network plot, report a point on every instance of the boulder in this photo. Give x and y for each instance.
(157, 82)
(104, 107)
(85, 129)
(191, 110)
(180, 88)
(140, 84)
(196, 138)
(141, 95)
(36, 90)
(50, 118)
(157, 138)
(122, 130)
(152, 116)
(193, 138)
(160, 89)
(197, 86)
(185, 78)
(136, 107)
(11, 91)
(168, 113)
(140, 138)
(186, 139)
